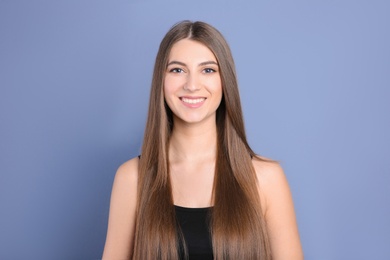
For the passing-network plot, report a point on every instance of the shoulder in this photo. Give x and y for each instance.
(266, 166)
(126, 178)
(278, 209)
(272, 181)
(128, 171)
(268, 172)
(121, 221)
(124, 189)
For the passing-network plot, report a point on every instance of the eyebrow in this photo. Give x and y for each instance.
(200, 64)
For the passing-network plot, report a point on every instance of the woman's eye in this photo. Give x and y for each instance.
(177, 70)
(209, 70)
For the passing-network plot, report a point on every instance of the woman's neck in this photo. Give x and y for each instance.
(193, 142)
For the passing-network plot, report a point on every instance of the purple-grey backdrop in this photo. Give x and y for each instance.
(74, 86)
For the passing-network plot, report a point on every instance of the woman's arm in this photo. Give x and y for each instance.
(279, 212)
(121, 222)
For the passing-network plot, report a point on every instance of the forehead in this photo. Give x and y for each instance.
(190, 50)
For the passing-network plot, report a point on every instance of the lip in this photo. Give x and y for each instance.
(192, 102)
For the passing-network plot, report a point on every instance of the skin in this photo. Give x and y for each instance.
(193, 72)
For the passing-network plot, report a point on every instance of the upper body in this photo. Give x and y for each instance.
(194, 90)
(277, 207)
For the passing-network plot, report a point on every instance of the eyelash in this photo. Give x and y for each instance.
(176, 70)
(209, 70)
(179, 70)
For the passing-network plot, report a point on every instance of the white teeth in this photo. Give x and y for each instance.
(193, 101)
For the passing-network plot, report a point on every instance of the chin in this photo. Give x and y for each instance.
(197, 119)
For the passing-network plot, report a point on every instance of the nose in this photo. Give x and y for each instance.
(192, 84)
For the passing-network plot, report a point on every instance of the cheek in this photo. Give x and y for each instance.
(169, 91)
(216, 86)
(172, 84)
(167, 88)
(219, 90)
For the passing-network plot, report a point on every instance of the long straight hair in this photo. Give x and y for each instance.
(238, 228)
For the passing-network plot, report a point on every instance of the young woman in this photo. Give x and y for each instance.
(198, 191)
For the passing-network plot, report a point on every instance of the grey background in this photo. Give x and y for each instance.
(74, 85)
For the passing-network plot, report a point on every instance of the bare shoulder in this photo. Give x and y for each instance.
(125, 183)
(273, 186)
(121, 221)
(270, 175)
(278, 210)
(267, 169)
(128, 172)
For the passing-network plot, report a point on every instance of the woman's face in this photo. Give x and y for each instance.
(192, 86)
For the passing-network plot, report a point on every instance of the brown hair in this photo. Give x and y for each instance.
(238, 228)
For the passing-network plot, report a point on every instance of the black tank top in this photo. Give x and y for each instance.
(194, 224)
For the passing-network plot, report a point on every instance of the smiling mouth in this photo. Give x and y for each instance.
(192, 100)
